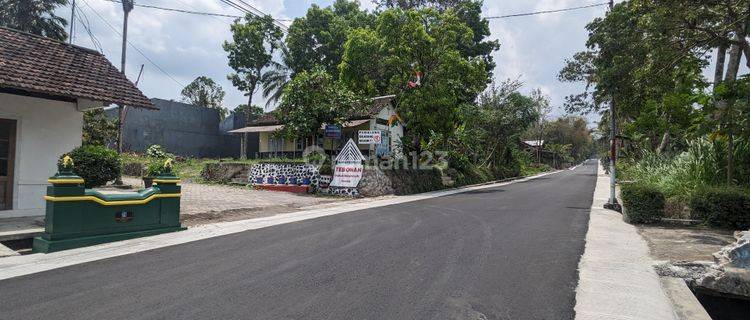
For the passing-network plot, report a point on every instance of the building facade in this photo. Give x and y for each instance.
(45, 86)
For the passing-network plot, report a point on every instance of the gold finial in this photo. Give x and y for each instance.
(168, 164)
(67, 161)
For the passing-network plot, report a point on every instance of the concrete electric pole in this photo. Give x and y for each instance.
(127, 6)
(612, 203)
(72, 20)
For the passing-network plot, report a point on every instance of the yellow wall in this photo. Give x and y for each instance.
(289, 144)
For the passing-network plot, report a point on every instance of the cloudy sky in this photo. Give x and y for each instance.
(184, 46)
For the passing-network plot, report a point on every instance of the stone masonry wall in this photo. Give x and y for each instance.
(288, 170)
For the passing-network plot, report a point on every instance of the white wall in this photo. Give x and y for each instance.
(396, 131)
(45, 129)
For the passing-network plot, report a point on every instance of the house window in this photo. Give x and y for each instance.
(275, 144)
(300, 144)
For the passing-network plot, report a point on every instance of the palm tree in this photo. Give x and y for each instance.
(275, 80)
(34, 16)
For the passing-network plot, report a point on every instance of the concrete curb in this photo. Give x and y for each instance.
(616, 275)
(686, 305)
(11, 267)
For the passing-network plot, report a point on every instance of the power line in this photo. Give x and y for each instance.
(87, 26)
(181, 10)
(547, 11)
(133, 46)
(255, 11)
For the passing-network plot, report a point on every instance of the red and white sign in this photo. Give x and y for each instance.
(370, 136)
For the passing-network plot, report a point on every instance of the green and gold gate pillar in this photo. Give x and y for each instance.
(77, 217)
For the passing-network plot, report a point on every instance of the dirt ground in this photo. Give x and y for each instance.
(684, 243)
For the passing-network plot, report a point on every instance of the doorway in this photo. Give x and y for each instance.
(7, 161)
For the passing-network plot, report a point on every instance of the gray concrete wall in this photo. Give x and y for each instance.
(180, 128)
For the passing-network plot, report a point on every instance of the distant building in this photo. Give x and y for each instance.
(376, 117)
(45, 85)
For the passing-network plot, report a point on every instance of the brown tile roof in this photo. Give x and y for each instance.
(41, 65)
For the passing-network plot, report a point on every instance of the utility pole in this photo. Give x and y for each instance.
(72, 20)
(612, 203)
(127, 6)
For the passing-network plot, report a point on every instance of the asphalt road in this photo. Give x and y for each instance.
(501, 253)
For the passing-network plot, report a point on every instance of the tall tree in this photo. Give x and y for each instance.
(415, 55)
(98, 129)
(311, 99)
(468, 11)
(542, 109)
(318, 38)
(254, 41)
(275, 79)
(34, 16)
(636, 59)
(204, 92)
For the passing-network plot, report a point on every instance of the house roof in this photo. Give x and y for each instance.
(378, 103)
(38, 64)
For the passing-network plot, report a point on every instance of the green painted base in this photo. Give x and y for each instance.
(46, 246)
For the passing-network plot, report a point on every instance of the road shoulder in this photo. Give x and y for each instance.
(616, 275)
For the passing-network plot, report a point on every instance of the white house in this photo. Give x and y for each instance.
(45, 86)
(379, 115)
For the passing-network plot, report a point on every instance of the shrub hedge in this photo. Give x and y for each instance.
(95, 164)
(722, 207)
(644, 203)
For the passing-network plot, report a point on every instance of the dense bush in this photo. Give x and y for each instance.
(95, 164)
(156, 151)
(644, 203)
(703, 163)
(725, 207)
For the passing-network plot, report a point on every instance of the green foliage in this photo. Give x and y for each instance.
(157, 152)
(702, 164)
(34, 16)
(317, 39)
(250, 112)
(156, 167)
(97, 165)
(253, 44)
(383, 60)
(644, 203)
(721, 206)
(204, 92)
(275, 79)
(98, 129)
(312, 99)
(570, 137)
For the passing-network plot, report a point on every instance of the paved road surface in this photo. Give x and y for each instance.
(501, 253)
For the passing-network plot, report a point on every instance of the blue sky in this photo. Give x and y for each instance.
(533, 49)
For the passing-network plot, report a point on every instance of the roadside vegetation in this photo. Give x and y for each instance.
(436, 58)
(682, 136)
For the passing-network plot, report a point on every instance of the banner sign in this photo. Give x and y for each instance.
(348, 169)
(332, 131)
(370, 136)
(346, 175)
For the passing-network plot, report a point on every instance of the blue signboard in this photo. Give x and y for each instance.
(333, 131)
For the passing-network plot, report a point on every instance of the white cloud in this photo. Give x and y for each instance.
(187, 46)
